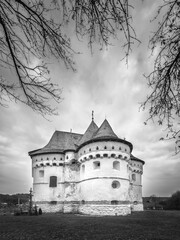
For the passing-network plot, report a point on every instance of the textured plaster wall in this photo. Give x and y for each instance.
(136, 193)
(71, 173)
(42, 192)
(41, 189)
(101, 189)
(105, 169)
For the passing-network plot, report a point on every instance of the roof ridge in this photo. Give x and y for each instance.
(105, 130)
(89, 133)
(67, 132)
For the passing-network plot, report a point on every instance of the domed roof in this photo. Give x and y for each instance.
(91, 130)
(105, 131)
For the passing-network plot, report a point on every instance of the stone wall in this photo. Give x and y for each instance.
(71, 208)
(50, 207)
(104, 210)
(88, 209)
(137, 207)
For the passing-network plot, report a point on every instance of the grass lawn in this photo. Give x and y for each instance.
(147, 225)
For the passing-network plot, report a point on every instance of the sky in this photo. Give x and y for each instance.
(114, 91)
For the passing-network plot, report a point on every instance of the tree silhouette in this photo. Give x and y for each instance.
(30, 32)
(164, 100)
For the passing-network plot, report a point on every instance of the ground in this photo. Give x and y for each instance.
(147, 225)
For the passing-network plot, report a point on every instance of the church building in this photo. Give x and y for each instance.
(93, 173)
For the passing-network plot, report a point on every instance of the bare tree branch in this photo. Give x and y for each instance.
(101, 20)
(27, 34)
(30, 31)
(164, 99)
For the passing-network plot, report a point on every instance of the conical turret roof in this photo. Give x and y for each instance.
(105, 131)
(91, 130)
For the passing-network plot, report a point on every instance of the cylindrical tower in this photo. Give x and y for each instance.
(136, 183)
(47, 173)
(104, 175)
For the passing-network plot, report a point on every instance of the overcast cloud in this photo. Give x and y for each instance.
(106, 85)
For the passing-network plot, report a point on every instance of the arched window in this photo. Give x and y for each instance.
(112, 147)
(47, 158)
(41, 164)
(116, 165)
(97, 148)
(98, 155)
(90, 156)
(47, 164)
(113, 155)
(105, 147)
(134, 177)
(120, 156)
(53, 181)
(54, 164)
(105, 155)
(96, 165)
(90, 150)
(115, 184)
(54, 158)
(41, 173)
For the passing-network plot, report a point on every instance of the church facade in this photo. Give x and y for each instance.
(92, 173)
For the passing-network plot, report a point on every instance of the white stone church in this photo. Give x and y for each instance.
(92, 173)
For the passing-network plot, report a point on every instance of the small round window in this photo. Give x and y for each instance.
(115, 184)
